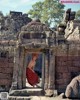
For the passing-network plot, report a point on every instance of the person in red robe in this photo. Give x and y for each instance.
(31, 75)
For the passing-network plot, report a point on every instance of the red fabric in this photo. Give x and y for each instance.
(32, 77)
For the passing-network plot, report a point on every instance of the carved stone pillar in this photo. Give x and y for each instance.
(15, 70)
(49, 73)
(46, 69)
(20, 69)
(51, 84)
(24, 68)
(43, 70)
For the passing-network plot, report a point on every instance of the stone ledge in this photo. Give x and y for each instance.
(18, 98)
(27, 92)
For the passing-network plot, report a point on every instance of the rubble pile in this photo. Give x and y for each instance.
(11, 24)
(72, 31)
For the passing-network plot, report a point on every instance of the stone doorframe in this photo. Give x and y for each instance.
(27, 51)
(19, 71)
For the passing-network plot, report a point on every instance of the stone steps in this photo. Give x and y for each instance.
(36, 98)
(27, 92)
(19, 98)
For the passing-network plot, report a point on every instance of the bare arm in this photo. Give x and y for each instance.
(31, 64)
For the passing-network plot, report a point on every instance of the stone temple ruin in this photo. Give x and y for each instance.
(58, 62)
(11, 24)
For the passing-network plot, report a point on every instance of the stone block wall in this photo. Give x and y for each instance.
(67, 65)
(6, 73)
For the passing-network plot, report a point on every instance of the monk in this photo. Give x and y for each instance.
(32, 77)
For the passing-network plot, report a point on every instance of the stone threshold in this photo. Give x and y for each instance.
(27, 92)
(19, 98)
(36, 98)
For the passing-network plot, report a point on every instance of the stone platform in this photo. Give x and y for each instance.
(27, 92)
(36, 98)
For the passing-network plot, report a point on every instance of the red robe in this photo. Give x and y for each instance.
(32, 77)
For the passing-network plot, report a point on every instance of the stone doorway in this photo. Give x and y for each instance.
(19, 75)
(38, 68)
(34, 37)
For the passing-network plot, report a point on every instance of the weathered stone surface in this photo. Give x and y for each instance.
(69, 15)
(67, 55)
(35, 34)
(73, 89)
(6, 70)
(46, 70)
(51, 83)
(49, 92)
(19, 98)
(72, 32)
(26, 92)
(15, 69)
(5, 76)
(48, 98)
(67, 67)
(5, 82)
(12, 24)
(60, 97)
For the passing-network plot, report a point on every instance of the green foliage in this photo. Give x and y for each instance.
(48, 11)
(36, 10)
(78, 14)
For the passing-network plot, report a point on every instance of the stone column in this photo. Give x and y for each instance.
(51, 84)
(46, 69)
(43, 70)
(15, 69)
(20, 69)
(50, 74)
(24, 69)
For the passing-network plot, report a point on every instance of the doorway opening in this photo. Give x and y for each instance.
(34, 70)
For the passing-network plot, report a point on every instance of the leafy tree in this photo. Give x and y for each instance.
(78, 14)
(36, 10)
(48, 11)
